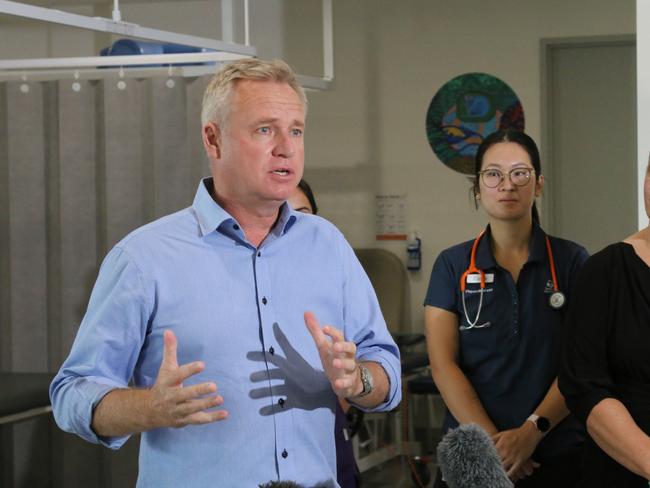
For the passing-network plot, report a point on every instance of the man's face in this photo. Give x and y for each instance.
(259, 157)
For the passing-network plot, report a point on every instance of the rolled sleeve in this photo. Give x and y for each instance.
(76, 399)
(106, 349)
(391, 366)
(365, 325)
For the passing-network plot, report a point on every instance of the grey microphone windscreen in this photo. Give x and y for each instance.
(468, 459)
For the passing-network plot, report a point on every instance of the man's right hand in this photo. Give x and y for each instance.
(126, 411)
(175, 405)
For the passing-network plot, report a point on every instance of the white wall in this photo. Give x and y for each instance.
(367, 136)
(643, 97)
(22, 38)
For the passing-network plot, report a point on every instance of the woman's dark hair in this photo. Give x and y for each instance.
(306, 189)
(508, 135)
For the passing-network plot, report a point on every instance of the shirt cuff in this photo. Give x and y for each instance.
(77, 416)
(394, 382)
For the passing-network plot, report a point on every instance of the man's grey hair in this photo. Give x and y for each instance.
(216, 99)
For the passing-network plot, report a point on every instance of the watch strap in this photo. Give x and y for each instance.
(366, 381)
(542, 424)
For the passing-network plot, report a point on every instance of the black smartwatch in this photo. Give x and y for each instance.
(542, 423)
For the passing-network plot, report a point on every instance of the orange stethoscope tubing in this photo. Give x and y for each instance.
(556, 299)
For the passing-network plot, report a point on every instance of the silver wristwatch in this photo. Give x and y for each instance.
(366, 381)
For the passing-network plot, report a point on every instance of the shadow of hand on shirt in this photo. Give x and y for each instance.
(301, 386)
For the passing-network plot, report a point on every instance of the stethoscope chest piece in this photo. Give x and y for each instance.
(557, 300)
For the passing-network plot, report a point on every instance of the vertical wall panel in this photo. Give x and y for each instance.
(123, 171)
(77, 246)
(6, 435)
(80, 462)
(32, 452)
(5, 274)
(27, 245)
(79, 258)
(196, 155)
(79, 169)
(32, 438)
(27, 190)
(171, 173)
(147, 144)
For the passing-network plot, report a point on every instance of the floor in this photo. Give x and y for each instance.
(396, 473)
(422, 429)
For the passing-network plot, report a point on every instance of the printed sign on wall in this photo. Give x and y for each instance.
(390, 217)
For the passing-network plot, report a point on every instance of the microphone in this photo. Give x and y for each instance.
(468, 459)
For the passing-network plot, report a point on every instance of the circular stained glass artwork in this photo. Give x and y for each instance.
(464, 111)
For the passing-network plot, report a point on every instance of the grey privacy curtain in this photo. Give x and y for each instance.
(81, 164)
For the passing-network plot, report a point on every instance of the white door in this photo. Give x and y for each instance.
(590, 152)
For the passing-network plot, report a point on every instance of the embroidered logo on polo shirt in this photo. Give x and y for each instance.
(549, 287)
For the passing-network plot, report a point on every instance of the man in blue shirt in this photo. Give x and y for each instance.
(214, 314)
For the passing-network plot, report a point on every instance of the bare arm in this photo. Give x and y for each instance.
(166, 404)
(441, 329)
(614, 430)
(515, 446)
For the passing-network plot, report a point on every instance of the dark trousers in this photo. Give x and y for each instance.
(561, 471)
(347, 472)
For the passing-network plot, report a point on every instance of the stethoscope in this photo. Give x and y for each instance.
(556, 300)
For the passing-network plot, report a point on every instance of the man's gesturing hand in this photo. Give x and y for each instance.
(337, 357)
(175, 405)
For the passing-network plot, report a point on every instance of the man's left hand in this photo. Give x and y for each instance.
(337, 356)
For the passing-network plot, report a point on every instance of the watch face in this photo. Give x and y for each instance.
(543, 424)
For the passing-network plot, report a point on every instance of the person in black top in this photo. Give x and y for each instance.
(606, 372)
(494, 347)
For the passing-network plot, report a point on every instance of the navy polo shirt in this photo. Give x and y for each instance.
(513, 360)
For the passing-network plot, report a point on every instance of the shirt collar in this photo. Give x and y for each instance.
(212, 216)
(288, 217)
(208, 212)
(485, 258)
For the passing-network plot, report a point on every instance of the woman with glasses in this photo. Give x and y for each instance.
(493, 319)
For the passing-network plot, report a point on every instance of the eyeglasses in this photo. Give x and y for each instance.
(494, 177)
